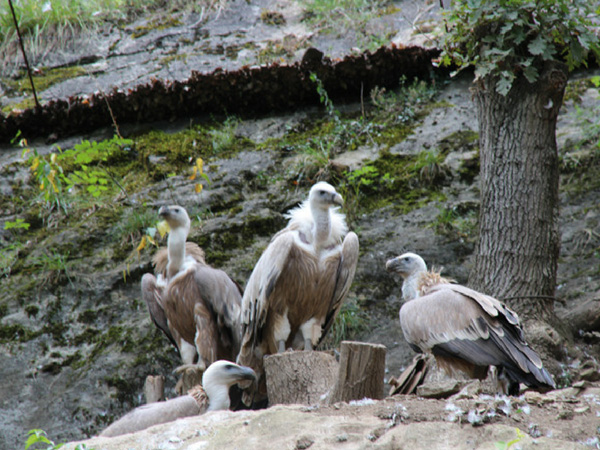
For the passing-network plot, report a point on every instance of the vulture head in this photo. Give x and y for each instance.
(323, 196)
(406, 265)
(219, 377)
(409, 266)
(176, 216)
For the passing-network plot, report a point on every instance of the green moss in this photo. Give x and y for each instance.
(125, 389)
(158, 23)
(272, 18)
(32, 310)
(44, 79)
(16, 333)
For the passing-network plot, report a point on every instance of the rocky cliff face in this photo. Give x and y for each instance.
(76, 341)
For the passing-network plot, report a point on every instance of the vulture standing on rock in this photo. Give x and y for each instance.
(464, 329)
(300, 282)
(196, 306)
(213, 395)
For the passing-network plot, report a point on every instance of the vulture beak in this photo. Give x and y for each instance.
(337, 199)
(244, 376)
(394, 265)
(164, 212)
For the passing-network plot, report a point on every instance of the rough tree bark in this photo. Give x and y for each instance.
(299, 377)
(519, 241)
(362, 369)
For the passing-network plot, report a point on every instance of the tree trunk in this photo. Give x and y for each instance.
(519, 240)
(299, 377)
(362, 369)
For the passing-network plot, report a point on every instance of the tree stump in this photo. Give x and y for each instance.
(362, 368)
(302, 377)
(154, 388)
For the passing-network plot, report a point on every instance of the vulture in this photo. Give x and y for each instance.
(465, 330)
(195, 305)
(212, 395)
(300, 281)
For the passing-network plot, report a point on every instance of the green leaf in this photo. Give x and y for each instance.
(504, 84)
(538, 46)
(531, 74)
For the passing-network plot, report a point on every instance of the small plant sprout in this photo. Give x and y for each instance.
(197, 170)
(501, 445)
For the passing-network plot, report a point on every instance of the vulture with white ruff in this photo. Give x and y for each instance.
(213, 395)
(464, 329)
(195, 305)
(300, 282)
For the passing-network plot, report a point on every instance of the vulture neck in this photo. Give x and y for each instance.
(322, 226)
(218, 396)
(176, 246)
(410, 286)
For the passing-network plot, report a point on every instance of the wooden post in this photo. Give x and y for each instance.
(154, 388)
(302, 377)
(362, 368)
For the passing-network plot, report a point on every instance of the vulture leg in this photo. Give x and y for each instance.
(281, 347)
(307, 345)
(311, 331)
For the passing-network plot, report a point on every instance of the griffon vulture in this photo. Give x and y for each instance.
(196, 306)
(300, 282)
(464, 329)
(213, 395)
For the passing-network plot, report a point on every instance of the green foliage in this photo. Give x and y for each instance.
(429, 165)
(17, 224)
(350, 321)
(506, 39)
(405, 104)
(223, 138)
(64, 172)
(38, 440)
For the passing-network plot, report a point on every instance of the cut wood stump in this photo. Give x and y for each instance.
(362, 368)
(302, 377)
(154, 388)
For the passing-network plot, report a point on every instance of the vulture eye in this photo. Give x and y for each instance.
(229, 367)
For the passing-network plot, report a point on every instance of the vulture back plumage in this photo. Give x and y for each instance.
(464, 329)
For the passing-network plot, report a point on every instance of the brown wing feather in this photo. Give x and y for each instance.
(152, 295)
(452, 323)
(343, 280)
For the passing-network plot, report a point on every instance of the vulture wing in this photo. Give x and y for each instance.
(451, 322)
(255, 302)
(152, 293)
(221, 307)
(344, 277)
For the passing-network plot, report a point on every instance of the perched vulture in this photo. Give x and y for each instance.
(300, 282)
(213, 395)
(196, 306)
(464, 329)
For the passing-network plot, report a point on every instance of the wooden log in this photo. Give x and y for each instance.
(302, 377)
(362, 369)
(154, 388)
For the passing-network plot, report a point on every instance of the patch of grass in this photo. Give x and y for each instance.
(336, 16)
(351, 321)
